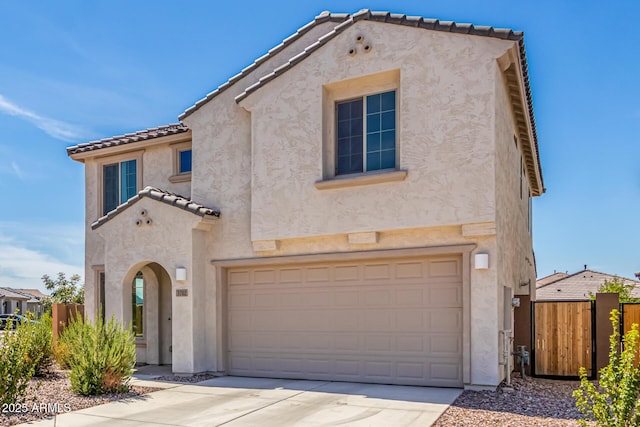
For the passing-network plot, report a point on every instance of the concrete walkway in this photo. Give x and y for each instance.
(236, 401)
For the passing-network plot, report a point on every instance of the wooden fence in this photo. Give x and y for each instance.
(561, 351)
(567, 335)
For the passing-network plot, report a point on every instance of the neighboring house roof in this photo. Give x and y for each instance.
(128, 138)
(34, 292)
(550, 278)
(10, 293)
(171, 199)
(577, 286)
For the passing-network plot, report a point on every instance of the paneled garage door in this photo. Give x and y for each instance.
(391, 321)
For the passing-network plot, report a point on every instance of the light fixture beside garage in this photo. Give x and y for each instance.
(482, 261)
(181, 274)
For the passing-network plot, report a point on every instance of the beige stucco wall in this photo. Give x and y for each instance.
(258, 163)
(444, 133)
(515, 261)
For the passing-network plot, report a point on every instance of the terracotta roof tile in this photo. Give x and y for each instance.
(128, 138)
(166, 197)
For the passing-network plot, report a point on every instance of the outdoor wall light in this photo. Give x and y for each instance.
(482, 261)
(181, 274)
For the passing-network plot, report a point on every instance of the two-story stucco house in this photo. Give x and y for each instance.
(355, 205)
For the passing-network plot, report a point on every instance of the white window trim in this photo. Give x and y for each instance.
(102, 162)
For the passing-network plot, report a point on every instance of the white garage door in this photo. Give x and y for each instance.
(391, 321)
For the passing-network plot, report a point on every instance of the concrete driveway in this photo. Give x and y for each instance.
(235, 401)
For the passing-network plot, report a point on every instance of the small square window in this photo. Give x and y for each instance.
(185, 161)
(366, 133)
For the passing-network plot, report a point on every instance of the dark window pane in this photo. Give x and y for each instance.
(373, 123)
(356, 145)
(388, 159)
(344, 164)
(128, 181)
(356, 163)
(356, 126)
(373, 161)
(349, 136)
(344, 127)
(373, 142)
(344, 111)
(373, 104)
(389, 120)
(185, 161)
(388, 139)
(388, 101)
(110, 188)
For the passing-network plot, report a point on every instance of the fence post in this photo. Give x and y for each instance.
(604, 304)
(522, 327)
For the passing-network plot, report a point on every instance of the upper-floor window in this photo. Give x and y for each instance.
(184, 160)
(119, 183)
(366, 133)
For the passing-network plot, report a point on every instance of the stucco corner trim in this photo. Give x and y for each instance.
(181, 177)
(479, 229)
(370, 178)
(363, 238)
(265, 245)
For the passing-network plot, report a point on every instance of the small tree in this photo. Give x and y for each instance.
(617, 286)
(65, 290)
(615, 402)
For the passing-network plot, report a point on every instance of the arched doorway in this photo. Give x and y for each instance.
(147, 298)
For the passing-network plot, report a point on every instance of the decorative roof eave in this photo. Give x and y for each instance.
(532, 155)
(152, 134)
(170, 199)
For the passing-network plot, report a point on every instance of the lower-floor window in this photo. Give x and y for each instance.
(137, 305)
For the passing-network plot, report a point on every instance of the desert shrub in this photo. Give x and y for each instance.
(615, 400)
(40, 349)
(16, 365)
(101, 355)
(61, 354)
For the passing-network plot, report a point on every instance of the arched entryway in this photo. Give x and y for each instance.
(147, 305)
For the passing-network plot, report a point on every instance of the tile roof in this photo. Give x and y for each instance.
(166, 197)
(399, 19)
(550, 278)
(128, 138)
(577, 286)
(10, 293)
(33, 292)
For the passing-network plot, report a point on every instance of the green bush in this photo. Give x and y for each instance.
(615, 401)
(40, 349)
(101, 356)
(16, 365)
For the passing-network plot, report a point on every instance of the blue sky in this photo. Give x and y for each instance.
(73, 71)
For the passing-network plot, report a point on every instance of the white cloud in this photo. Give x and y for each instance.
(27, 252)
(17, 171)
(55, 128)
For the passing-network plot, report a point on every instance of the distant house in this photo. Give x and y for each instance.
(577, 286)
(24, 300)
(34, 304)
(11, 300)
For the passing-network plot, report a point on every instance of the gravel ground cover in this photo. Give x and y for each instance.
(185, 379)
(46, 397)
(532, 402)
